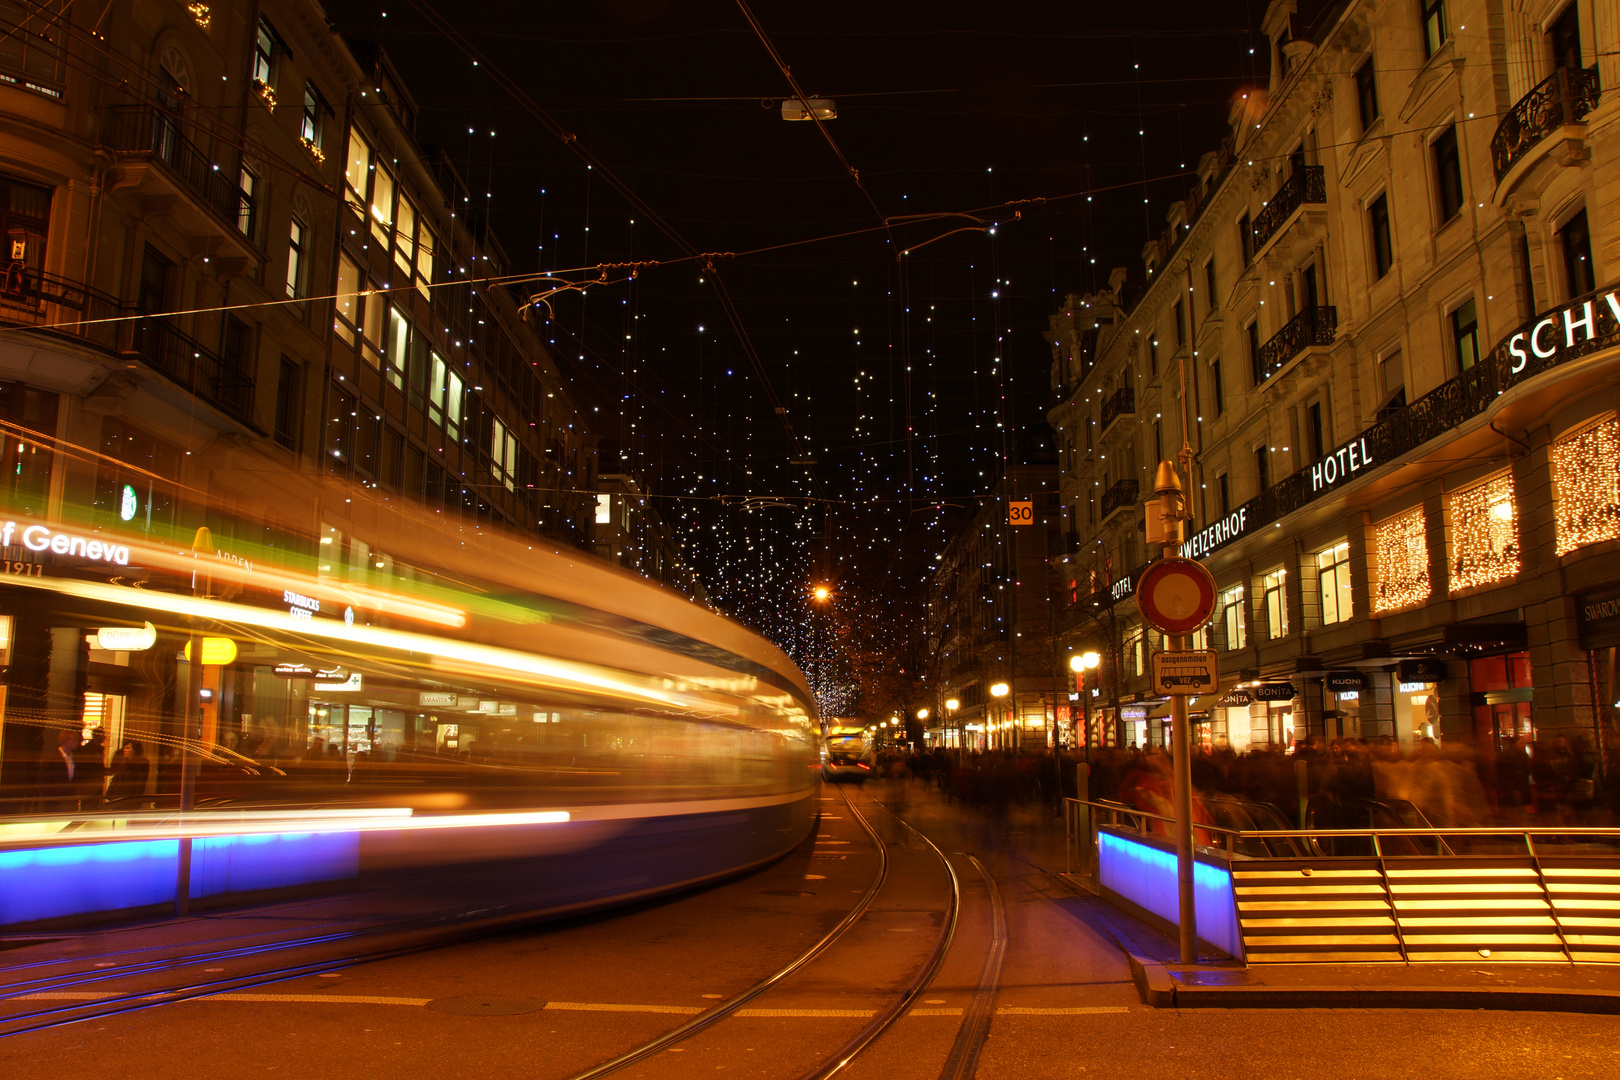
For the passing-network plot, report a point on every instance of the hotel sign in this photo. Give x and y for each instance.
(1342, 464)
(1224, 531)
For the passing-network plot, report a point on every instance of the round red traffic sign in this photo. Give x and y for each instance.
(1176, 595)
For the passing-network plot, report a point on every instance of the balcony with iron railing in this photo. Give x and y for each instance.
(1307, 185)
(1121, 402)
(1564, 97)
(1313, 327)
(158, 158)
(218, 380)
(1121, 495)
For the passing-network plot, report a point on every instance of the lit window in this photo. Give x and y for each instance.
(295, 259)
(1276, 591)
(399, 341)
(246, 202)
(382, 205)
(405, 235)
(604, 509)
(426, 247)
(1232, 617)
(348, 299)
(357, 175)
(311, 126)
(1586, 484)
(1401, 548)
(264, 54)
(1484, 532)
(1333, 577)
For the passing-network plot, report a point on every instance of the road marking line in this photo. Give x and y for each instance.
(863, 1013)
(1081, 1010)
(348, 999)
(935, 1012)
(582, 1006)
(832, 841)
(61, 995)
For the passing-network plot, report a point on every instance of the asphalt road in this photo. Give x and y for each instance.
(548, 1002)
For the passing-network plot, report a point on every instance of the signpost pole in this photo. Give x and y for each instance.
(1167, 486)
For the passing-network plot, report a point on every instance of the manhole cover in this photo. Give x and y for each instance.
(492, 1005)
(1213, 978)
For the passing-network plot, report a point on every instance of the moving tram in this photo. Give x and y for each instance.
(448, 696)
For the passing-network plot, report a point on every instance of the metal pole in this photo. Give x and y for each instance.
(1182, 751)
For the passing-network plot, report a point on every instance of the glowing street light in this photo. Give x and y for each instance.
(1084, 661)
(922, 714)
(952, 704)
(999, 690)
(821, 593)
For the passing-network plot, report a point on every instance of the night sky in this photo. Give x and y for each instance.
(1022, 148)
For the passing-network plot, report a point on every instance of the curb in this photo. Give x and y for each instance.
(1160, 990)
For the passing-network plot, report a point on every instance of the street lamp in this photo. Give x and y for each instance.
(951, 705)
(821, 593)
(998, 691)
(1080, 663)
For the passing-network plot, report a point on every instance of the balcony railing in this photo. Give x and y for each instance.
(212, 377)
(1121, 402)
(1122, 494)
(1308, 185)
(32, 298)
(1563, 97)
(154, 133)
(1312, 326)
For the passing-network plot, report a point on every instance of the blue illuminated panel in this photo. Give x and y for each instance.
(1146, 876)
(46, 883)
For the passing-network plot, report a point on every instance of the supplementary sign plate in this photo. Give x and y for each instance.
(1192, 672)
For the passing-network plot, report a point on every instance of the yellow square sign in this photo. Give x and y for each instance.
(1020, 513)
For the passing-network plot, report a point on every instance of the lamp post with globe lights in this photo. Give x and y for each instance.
(998, 691)
(1080, 663)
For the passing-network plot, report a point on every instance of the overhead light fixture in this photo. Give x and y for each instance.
(806, 108)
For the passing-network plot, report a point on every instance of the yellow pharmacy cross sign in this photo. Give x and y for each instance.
(1020, 513)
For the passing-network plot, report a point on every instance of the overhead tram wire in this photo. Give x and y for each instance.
(572, 143)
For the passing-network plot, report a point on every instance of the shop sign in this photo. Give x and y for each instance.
(346, 684)
(1423, 669)
(1133, 712)
(126, 638)
(1277, 691)
(216, 651)
(1597, 612)
(1236, 699)
(1341, 464)
(1547, 332)
(40, 538)
(300, 606)
(1224, 531)
(435, 699)
(1344, 682)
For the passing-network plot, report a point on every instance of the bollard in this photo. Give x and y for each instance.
(1087, 837)
(1302, 774)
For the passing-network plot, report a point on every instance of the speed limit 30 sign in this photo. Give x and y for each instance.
(1020, 513)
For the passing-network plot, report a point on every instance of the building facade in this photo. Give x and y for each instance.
(989, 618)
(1385, 324)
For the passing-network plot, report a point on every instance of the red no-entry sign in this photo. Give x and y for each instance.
(1176, 595)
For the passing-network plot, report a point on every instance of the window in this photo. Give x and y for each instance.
(1209, 283)
(1575, 240)
(1401, 553)
(1223, 493)
(1378, 225)
(1180, 314)
(1434, 26)
(1333, 578)
(444, 396)
(1448, 174)
(1367, 93)
(31, 53)
(1392, 374)
(266, 47)
(382, 205)
(399, 343)
(405, 236)
(1484, 519)
(288, 400)
(312, 125)
(1262, 467)
(348, 299)
(503, 455)
(1232, 617)
(1158, 442)
(1315, 437)
(1586, 484)
(1564, 37)
(371, 330)
(427, 245)
(1153, 356)
(295, 259)
(1275, 585)
(1219, 396)
(340, 433)
(357, 174)
(246, 200)
(393, 458)
(1465, 334)
(236, 347)
(1246, 239)
(1255, 370)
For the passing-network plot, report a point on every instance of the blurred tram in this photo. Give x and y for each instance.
(846, 753)
(634, 741)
